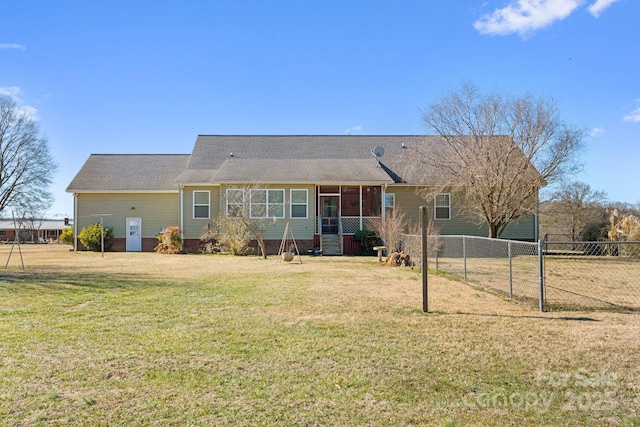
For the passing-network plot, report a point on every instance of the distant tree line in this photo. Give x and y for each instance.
(576, 212)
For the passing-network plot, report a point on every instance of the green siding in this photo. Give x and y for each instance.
(157, 210)
(409, 201)
(193, 227)
(303, 228)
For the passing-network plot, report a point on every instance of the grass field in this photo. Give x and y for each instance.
(147, 339)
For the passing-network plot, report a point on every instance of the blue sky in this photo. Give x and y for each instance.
(149, 76)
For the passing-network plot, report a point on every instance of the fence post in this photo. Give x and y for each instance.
(510, 271)
(540, 275)
(464, 256)
(425, 254)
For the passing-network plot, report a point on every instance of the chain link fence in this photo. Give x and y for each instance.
(592, 275)
(508, 267)
(556, 276)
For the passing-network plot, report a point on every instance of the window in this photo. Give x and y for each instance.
(201, 204)
(266, 203)
(298, 203)
(442, 204)
(235, 201)
(389, 204)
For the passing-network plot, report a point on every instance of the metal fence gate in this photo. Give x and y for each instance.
(553, 276)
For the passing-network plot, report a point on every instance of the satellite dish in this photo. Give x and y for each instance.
(378, 151)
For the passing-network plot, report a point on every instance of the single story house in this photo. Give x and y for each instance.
(326, 187)
(32, 230)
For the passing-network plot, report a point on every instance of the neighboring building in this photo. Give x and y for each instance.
(325, 187)
(37, 230)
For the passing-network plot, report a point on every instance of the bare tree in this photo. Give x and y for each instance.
(26, 167)
(391, 230)
(572, 206)
(253, 205)
(496, 152)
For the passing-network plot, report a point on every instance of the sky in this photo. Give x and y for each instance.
(149, 76)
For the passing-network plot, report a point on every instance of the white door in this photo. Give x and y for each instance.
(134, 234)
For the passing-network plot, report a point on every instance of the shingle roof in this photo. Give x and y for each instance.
(301, 171)
(268, 159)
(129, 172)
(301, 158)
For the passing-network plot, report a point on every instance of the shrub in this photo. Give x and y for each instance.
(226, 234)
(169, 241)
(368, 239)
(391, 230)
(66, 236)
(595, 231)
(91, 237)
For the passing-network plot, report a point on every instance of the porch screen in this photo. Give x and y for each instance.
(371, 201)
(350, 201)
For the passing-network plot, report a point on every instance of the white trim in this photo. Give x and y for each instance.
(75, 215)
(267, 204)
(193, 204)
(124, 191)
(200, 184)
(181, 210)
(226, 200)
(133, 244)
(306, 203)
(384, 200)
(436, 206)
(391, 207)
(298, 182)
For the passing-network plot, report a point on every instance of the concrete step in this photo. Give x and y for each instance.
(331, 244)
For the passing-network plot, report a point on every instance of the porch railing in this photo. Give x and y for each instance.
(352, 224)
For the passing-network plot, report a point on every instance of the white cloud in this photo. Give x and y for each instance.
(357, 128)
(633, 116)
(13, 92)
(599, 6)
(13, 46)
(525, 16)
(596, 131)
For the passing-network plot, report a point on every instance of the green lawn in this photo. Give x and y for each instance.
(147, 339)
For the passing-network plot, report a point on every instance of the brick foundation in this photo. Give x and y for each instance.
(194, 246)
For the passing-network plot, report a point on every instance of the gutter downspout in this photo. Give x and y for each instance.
(75, 222)
(181, 210)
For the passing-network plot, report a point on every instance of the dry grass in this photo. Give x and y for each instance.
(570, 282)
(593, 281)
(153, 339)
